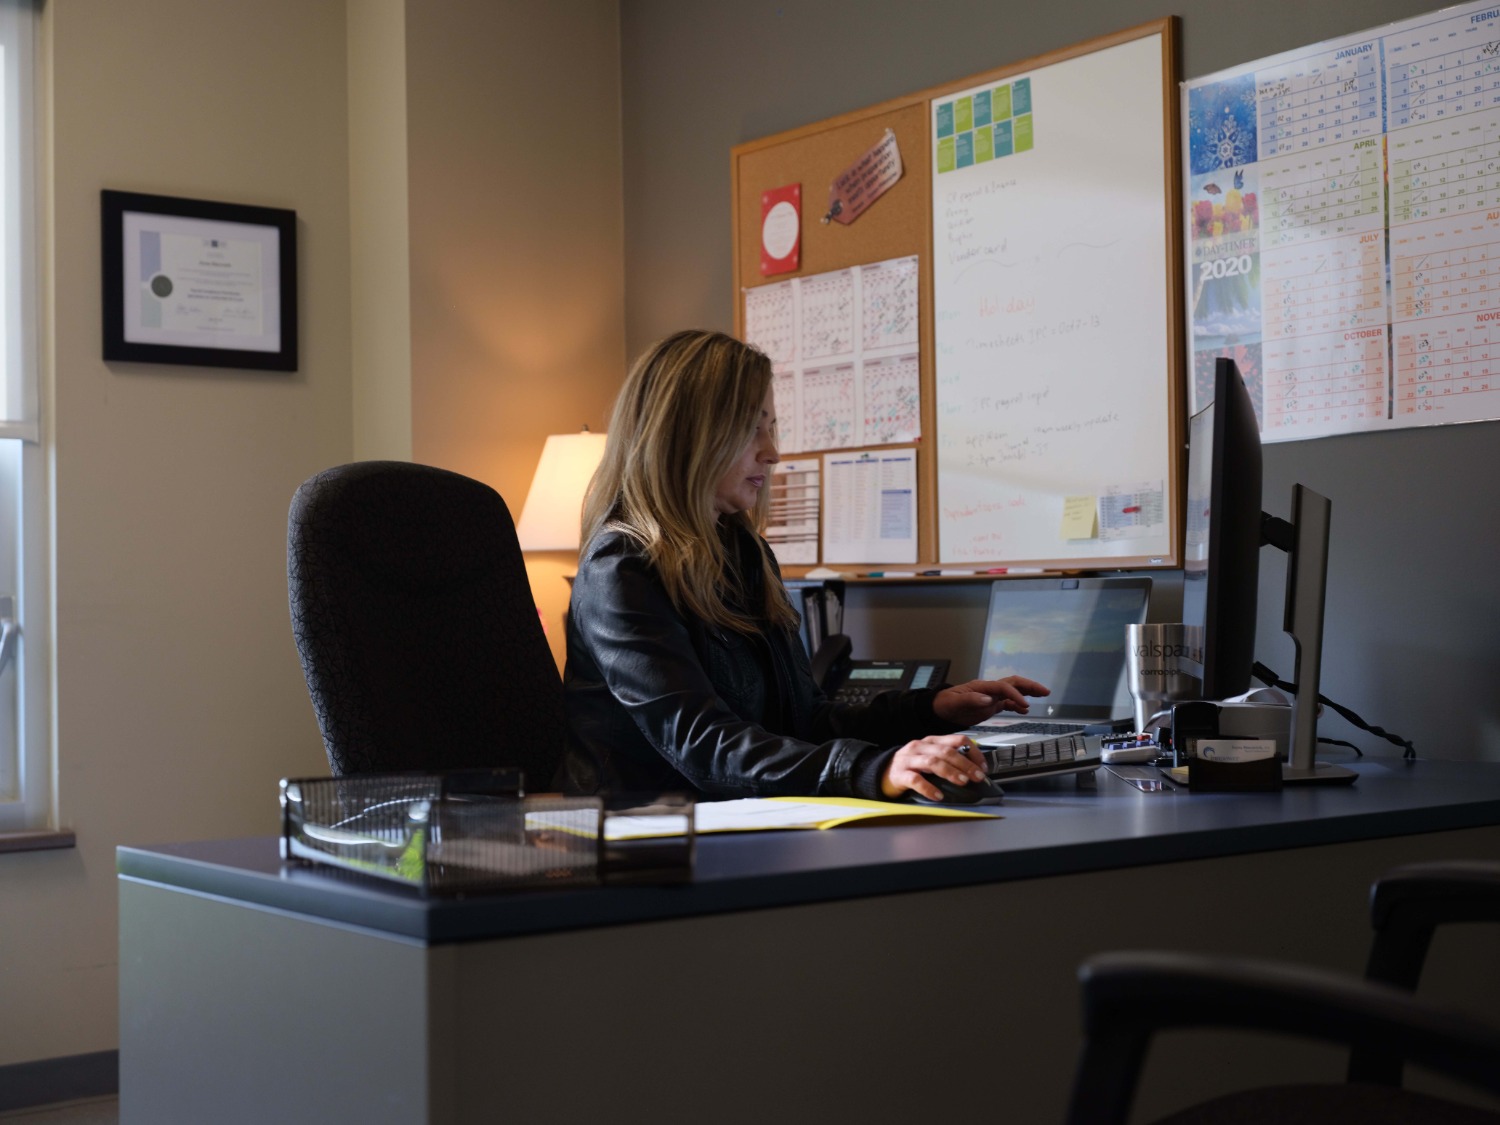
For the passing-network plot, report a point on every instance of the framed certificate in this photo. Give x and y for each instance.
(193, 282)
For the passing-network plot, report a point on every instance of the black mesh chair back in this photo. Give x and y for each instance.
(1129, 997)
(416, 626)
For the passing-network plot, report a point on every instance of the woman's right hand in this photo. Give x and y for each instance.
(953, 757)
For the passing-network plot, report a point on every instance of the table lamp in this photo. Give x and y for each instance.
(554, 506)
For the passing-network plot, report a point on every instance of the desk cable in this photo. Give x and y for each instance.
(1271, 679)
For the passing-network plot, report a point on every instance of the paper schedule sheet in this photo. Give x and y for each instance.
(871, 506)
(793, 528)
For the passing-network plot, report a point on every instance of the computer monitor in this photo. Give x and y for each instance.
(1221, 557)
(1221, 565)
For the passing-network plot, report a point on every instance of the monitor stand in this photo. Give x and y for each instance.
(1305, 541)
(1321, 773)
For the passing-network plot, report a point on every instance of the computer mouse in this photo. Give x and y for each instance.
(970, 794)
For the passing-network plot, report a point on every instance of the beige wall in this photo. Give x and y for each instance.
(180, 698)
(379, 290)
(517, 245)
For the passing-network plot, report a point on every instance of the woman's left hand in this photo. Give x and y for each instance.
(977, 700)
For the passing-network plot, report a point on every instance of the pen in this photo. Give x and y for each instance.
(940, 573)
(892, 574)
(1015, 570)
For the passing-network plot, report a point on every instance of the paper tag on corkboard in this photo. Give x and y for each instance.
(864, 181)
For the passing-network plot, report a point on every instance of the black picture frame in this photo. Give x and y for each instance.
(245, 317)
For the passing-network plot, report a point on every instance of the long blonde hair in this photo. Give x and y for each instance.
(689, 407)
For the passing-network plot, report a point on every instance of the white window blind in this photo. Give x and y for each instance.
(18, 351)
(25, 739)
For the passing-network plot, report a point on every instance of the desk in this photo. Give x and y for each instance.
(779, 985)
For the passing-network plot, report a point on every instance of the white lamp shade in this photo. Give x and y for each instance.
(554, 506)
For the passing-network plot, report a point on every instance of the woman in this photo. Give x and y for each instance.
(684, 666)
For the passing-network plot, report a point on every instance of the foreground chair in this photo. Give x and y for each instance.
(1128, 997)
(416, 627)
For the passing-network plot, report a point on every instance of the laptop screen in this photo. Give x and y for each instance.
(1068, 633)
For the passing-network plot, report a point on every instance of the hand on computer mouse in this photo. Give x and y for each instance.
(953, 758)
(978, 700)
(970, 794)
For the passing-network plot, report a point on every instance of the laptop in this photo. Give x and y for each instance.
(1067, 633)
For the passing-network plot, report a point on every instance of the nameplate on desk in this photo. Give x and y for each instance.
(1234, 764)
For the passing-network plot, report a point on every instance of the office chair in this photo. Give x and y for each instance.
(416, 627)
(1127, 997)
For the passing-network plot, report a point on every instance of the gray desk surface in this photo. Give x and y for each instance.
(1046, 828)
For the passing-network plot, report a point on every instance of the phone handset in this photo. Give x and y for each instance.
(830, 664)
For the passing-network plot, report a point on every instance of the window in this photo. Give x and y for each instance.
(25, 750)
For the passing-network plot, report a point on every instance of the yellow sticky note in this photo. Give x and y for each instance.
(1080, 517)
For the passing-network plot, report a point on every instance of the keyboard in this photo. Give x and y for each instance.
(1012, 727)
(1070, 753)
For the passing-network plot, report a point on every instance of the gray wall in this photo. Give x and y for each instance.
(1413, 608)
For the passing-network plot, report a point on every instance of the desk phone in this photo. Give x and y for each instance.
(865, 679)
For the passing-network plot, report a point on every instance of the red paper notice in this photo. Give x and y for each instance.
(780, 229)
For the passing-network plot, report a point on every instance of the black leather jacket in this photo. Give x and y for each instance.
(659, 701)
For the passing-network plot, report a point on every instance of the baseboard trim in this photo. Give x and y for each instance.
(66, 1079)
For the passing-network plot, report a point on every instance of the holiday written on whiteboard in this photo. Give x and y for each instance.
(871, 506)
(1344, 228)
(844, 349)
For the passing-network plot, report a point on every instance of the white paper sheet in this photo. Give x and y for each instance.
(792, 530)
(871, 506)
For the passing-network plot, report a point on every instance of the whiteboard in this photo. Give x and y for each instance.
(1056, 367)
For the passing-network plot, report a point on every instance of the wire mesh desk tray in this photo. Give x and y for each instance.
(475, 831)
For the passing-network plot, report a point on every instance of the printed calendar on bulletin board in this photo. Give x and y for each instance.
(1342, 221)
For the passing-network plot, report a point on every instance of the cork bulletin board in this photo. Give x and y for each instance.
(1049, 347)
